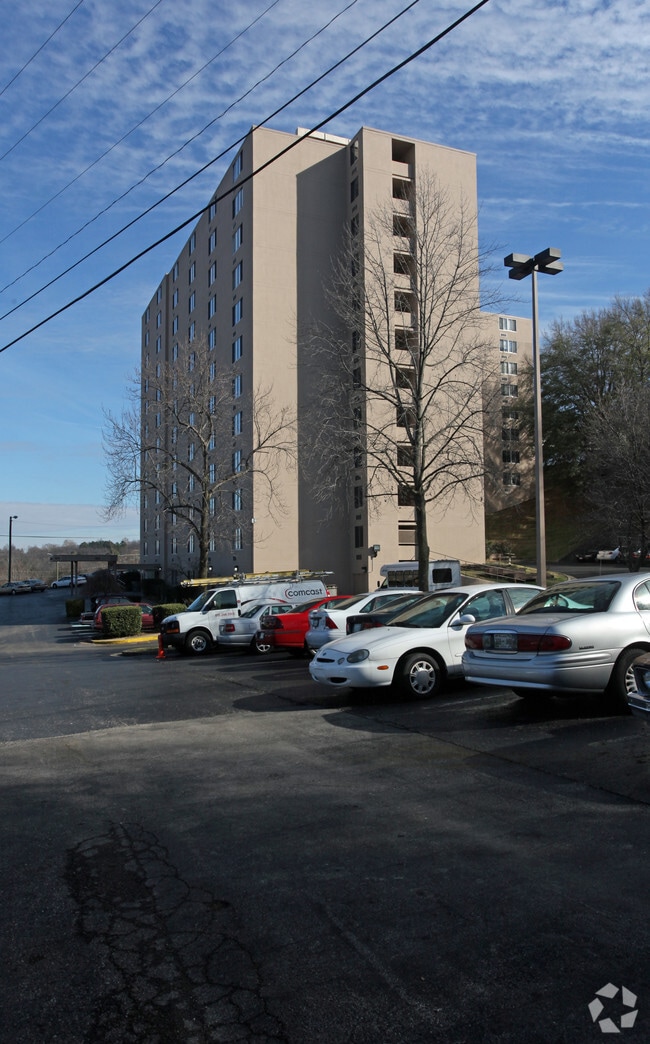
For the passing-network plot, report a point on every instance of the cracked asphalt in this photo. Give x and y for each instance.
(217, 850)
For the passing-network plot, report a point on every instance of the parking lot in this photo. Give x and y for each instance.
(217, 849)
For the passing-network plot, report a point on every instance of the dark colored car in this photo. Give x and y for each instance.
(36, 585)
(381, 617)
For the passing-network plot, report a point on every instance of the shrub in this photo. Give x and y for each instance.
(74, 607)
(121, 621)
(167, 609)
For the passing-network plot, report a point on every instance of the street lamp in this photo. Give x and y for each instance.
(521, 265)
(11, 519)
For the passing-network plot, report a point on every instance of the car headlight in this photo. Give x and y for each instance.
(358, 655)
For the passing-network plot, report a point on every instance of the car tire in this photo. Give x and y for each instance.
(198, 643)
(621, 681)
(260, 646)
(420, 676)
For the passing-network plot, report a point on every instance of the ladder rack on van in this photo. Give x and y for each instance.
(258, 578)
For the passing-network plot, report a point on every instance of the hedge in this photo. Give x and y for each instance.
(168, 609)
(121, 621)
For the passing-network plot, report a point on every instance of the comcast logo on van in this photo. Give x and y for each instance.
(303, 592)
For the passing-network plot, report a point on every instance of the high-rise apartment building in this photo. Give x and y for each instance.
(253, 273)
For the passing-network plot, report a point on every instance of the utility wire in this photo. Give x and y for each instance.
(194, 217)
(115, 144)
(79, 82)
(38, 51)
(202, 169)
(177, 151)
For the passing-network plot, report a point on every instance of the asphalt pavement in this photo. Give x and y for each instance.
(216, 849)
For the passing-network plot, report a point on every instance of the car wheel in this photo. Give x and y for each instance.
(622, 680)
(420, 675)
(197, 643)
(261, 646)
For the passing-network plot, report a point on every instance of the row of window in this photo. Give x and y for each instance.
(238, 543)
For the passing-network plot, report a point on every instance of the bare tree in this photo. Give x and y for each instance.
(405, 366)
(175, 441)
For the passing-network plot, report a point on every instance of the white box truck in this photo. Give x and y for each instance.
(196, 630)
(441, 574)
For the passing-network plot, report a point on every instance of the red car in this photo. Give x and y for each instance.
(147, 614)
(288, 630)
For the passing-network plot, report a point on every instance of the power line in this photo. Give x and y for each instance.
(214, 160)
(115, 145)
(79, 82)
(194, 217)
(38, 51)
(171, 156)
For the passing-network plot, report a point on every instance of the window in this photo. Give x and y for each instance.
(405, 456)
(403, 302)
(213, 442)
(507, 324)
(236, 349)
(174, 545)
(237, 275)
(237, 238)
(354, 225)
(190, 486)
(510, 389)
(407, 535)
(146, 338)
(358, 497)
(237, 423)
(212, 403)
(236, 500)
(191, 450)
(212, 212)
(213, 473)
(212, 306)
(358, 536)
(175, 353)
(238, 542)
(212, 505)
(237, 165)
(192, 243)
(508, 367)
(212, 241)
(237, 311)
(175, 298)
(156, 547)
(354, 189)
(158, 343)
(510, 456)
(192, 272)
(212, 273)
(236, 462)
(354, 152)
(237, 386)
(191, 332)
(405, 497)
(213, 371)
(159, 320)
(174, 441)
(175, 271)
(159, 295)
(511, 478)
(191, 362)
(238, 201)
(212, 342)
(190, 544)
(508, 346)
(356, 340)
(510, 434)
(175, 324)
(147, 315)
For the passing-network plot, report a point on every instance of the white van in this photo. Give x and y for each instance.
(441, 574)
(196, 630)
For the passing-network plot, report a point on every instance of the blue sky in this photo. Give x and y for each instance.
(553, 96)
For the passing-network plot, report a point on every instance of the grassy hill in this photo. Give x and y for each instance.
(568, 527)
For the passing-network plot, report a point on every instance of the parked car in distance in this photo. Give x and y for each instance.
(287, 630)
(581, 636)
(36, 585)
(609, 556)
(586, 556)
(146, 610)
(422, 646)
(329, 623)
(66, 581)
(241, 632)
(365, 621)
(15, 587)
(638, 698)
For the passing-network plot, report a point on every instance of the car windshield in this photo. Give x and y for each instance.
(253, 611)
(585, 597)
(431, 612)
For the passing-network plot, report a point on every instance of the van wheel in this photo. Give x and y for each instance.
(197, 643)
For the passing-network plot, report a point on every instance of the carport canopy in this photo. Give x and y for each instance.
(75, 557)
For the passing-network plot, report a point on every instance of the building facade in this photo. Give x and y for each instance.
(222, 334)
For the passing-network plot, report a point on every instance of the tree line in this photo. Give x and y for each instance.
(35, 561)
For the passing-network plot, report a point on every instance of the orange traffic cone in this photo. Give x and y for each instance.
(161, 648)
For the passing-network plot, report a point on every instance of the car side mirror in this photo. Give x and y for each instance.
(463, 621)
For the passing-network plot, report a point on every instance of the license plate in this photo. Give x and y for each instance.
(505, 642)
(315, 624)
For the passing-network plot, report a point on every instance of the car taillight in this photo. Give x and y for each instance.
(270, 623)
(473, 641)
(542, 643)
(228, 628)
(329, 623)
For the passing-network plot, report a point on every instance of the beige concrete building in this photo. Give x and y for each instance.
(251, 275)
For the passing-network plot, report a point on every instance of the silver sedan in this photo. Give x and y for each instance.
(579, 636)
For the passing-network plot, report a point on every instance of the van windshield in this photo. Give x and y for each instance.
(197, 605)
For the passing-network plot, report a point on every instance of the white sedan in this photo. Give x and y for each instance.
(328, 624)
(241, 632)
(422, 646)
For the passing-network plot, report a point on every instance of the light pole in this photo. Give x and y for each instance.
(11, 519)
(521, 265)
